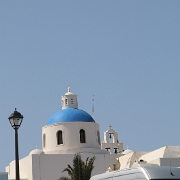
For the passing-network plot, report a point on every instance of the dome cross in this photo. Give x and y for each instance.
(68, 88)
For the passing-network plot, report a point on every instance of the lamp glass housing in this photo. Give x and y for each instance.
(15, 119)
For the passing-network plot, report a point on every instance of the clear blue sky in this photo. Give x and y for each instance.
(126, 53)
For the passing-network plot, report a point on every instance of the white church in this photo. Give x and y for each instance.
(72, 130)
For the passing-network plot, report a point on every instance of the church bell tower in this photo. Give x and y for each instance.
(69, 100)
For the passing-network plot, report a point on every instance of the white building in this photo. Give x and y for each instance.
(71, 131)
(165, 156)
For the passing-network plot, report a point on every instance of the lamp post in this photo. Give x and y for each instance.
(15, 120)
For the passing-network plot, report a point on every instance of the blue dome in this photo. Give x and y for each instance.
(70, 115)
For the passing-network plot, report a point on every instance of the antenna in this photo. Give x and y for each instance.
(93, 106)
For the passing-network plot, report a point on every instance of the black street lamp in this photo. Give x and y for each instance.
(15, 120)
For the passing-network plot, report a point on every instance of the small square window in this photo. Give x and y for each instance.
(66, 101)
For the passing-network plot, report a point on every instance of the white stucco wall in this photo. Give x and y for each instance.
(25, 166)
(50, 166)
(71, 138)
(69, 101)
(163, 152)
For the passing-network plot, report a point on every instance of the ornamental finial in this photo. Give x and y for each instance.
(68, 88)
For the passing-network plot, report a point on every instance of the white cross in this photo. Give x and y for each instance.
(69, 89)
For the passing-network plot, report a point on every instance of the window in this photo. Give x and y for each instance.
(82, 136)
(59, 137)
(107, 148)
(66, 101)
(111, 137)
(116, 150)
(98, 136)
(44, 140)
(71, 101)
